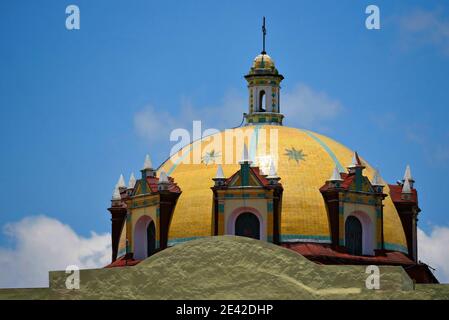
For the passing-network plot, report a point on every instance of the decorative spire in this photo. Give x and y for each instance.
(220, 174)
(273, 177)
(219, 177)
(116, 193)
(356, 165)
(163, 177)
(147, 164)
(245, 155)
(408, 174)
(163, 181)
(355, 161)
(121, 182)
(264, 33)
(406, 189)
(335, 177)
(377, 180)
(273, 173)
(132, 181)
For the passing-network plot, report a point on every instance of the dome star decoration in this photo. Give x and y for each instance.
(294, 154)
(210, 157)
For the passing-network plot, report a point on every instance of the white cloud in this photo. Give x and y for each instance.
(305, 107)
(41, 244)
(153, 124)
(433, 250)
(425, 27)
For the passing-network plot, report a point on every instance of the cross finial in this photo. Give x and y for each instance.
(264, 33)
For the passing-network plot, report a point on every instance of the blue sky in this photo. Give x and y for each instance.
(69, 100)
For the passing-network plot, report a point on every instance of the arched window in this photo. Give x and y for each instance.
(151, 239)
(247, 225)
(354, 236)
(144, 238)
(262, 101)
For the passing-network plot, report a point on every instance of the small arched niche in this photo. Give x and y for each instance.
(262, 101)
(144, 238)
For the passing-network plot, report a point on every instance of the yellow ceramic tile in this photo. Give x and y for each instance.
(303, 208)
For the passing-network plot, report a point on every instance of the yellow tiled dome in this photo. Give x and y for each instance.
(263, 61)
(305, 161)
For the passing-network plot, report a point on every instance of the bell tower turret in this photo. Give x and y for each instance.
(264, 90)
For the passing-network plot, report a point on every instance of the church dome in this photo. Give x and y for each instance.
(263, 61)
(305, 160)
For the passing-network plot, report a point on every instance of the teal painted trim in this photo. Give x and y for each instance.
(378, 212)
(254, 143)
(328, 150)
(261, 195)
(158, 245)
(270, 206)
(175, 165)
(158, 212)
(289, 237)
(358, 179)
(228, 195)
(143, 185)
(244, 174)
(220, 208)
(270, 238)
(174, 242)
(395, 247)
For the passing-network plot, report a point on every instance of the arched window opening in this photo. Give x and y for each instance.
(144, 238)
(247, 225)
(353, 236)
(262, 101)
(151, 239)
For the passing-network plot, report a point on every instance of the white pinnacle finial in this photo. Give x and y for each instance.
(273, 173)
(408, 174)
(377, 180)
(121, 182)
(116, 194)
(335, 175)
(132, 181)
(163, 177)
(245, 155)
(406, 187)
(147, 164)
(220, 173)
(355, 160)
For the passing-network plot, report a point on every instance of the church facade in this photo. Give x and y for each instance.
(289, 186)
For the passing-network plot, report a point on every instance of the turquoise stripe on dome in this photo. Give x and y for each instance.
(292, 237)
(325, 147)
(173, 167)
(254, 143)
(395, 247)
(176, 241)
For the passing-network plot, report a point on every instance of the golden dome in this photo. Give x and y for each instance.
(263, 61)
(305, 161)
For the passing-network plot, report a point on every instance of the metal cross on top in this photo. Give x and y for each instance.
(264, 33)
